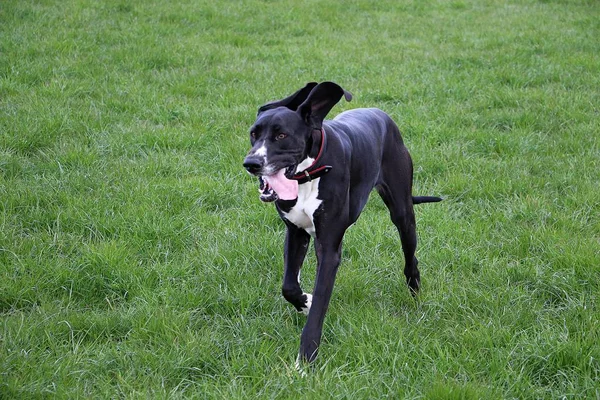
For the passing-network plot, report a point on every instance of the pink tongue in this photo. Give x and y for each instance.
(285, 188)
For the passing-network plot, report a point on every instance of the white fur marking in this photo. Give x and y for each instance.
(299, 368)
(302, 213)
(261, 151)
(306, 310)
(304, 164)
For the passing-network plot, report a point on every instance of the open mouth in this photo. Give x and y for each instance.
(267, 194)
(289, 171)
(272, 170)
(279, 185)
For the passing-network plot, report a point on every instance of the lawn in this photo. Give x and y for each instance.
(136, 260)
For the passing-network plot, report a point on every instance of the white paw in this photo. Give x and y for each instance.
(299, 368)
(307, 305)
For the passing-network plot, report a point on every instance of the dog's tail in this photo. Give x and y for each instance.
(426, 199)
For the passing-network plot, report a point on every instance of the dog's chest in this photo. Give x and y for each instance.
(302, 214)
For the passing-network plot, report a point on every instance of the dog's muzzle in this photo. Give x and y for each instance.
(253, 164)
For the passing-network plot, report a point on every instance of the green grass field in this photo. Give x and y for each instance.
(136, 260)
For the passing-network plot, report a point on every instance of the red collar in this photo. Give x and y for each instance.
(313, 172)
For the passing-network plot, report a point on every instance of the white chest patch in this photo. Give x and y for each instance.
(303, 212)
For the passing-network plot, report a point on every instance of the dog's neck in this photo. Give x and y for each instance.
(314, 143)
(306, 173)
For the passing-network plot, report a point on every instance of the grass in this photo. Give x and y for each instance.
(136, 260)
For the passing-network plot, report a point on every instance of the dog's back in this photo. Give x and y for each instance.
(373, 143)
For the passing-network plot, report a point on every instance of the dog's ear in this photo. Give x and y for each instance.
(320, 101)
(292, 102)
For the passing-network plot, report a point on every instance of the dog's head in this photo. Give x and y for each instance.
(281, 135)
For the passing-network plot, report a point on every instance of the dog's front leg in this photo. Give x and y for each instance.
(296, 245)
(329, 257)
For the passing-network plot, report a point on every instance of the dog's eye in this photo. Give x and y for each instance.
(280, 136)
(253, 135)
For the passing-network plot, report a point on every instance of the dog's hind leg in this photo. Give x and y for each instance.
(402, 215)
(395, 190)
(294, 252)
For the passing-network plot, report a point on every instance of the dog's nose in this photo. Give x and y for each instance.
(253, 164)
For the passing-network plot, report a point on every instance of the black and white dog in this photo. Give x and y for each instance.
(320, 174)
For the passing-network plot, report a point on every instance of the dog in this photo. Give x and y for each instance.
(319, 173)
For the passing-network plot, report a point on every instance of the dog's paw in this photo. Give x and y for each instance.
(301, 366)
(413, 284)
(305, 310)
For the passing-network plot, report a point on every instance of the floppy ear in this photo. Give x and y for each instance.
(320, 101)
(292, 102)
